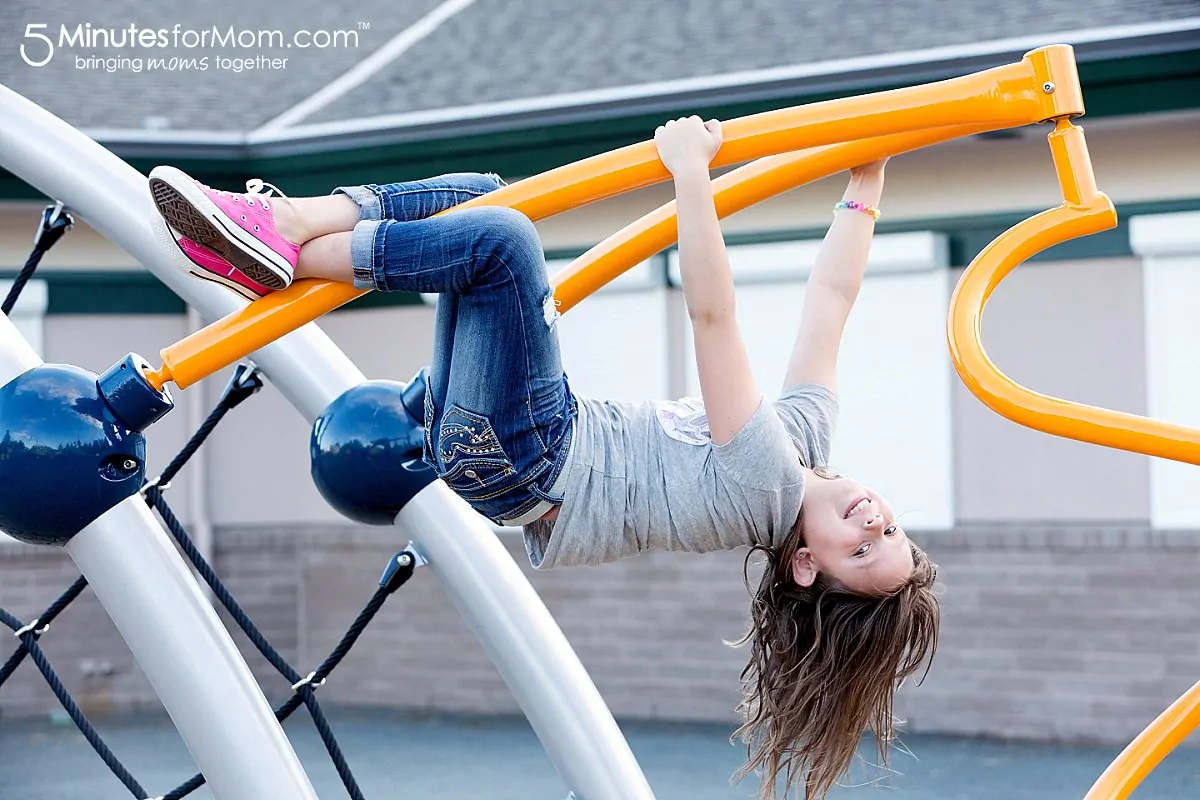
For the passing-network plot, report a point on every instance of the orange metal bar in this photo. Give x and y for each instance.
(1084, 211)
(1003, 97)
(1150, 747)
(1043, 85)
(732, 192)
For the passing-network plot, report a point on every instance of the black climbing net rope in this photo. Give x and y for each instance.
(244, 383)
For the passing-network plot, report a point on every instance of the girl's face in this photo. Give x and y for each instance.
(850, 534)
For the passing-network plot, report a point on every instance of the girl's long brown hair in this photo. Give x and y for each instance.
(824, 667)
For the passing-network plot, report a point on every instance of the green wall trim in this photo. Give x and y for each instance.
(108, 293)
(383, 300)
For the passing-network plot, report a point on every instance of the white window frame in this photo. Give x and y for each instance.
(29, 314)
(1169, 245)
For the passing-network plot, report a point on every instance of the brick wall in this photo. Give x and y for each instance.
(1068, 633)
(649, 630)
(83, 645)
(263, 572)
(87, 651)
(1057, 632)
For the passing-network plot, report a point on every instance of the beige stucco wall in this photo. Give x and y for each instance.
(1071, 329)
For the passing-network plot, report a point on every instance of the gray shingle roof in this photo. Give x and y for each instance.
(505, 49)
(495, 50)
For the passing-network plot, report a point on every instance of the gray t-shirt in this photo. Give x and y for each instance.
(646, 476)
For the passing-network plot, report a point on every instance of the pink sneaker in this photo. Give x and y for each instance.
(211, 267)
(239, 228)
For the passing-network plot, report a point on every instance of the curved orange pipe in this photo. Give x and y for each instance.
(1151, 746)
(1084, 211)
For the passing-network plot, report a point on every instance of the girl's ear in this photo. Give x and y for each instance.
(804, 571)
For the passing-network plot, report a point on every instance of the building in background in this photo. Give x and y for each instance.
(1069, 571)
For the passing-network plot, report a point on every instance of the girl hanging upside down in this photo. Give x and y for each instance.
(844, 610)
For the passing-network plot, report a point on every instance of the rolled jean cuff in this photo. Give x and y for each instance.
(362, 255)
(369, 203)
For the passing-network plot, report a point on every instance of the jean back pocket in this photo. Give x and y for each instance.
(470, 458)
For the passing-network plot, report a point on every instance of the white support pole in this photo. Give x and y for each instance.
(566, 710)
(178, 640)
(525, 643)
(188, 656)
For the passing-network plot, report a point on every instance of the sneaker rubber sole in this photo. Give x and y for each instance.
(188, 210)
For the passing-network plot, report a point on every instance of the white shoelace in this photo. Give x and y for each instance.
(259, 188)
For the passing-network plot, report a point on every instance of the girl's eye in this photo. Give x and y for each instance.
(862, 550)
(890, 530)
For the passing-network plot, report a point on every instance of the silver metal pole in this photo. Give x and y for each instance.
(526, 645)
(579, 733)
(188, 656)
(177, 638)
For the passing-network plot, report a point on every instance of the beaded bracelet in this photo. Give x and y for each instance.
(854, 205)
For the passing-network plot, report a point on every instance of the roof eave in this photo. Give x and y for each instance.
(840, 76)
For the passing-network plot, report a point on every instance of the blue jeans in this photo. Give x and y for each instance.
(499, 413)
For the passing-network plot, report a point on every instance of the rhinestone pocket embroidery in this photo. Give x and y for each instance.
(472, 460)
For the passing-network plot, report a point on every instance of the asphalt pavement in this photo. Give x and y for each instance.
(396, 757)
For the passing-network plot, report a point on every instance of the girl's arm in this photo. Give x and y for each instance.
(687, 147)
(834, 282)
